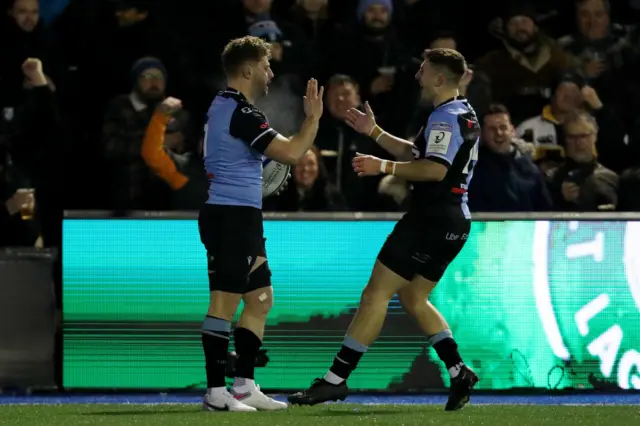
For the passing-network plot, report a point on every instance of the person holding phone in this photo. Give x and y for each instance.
(582, 183)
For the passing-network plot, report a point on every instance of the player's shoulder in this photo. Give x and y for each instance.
(236, 100)
(449, 117)
(246, 113)
(442, 119)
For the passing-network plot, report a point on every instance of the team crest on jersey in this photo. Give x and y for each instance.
(438, 142)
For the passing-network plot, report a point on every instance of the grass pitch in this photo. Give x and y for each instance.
(322, 415)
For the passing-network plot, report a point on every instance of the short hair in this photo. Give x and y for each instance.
(606, 3)
(340, 79)
(242, 50)
(450, 61)
(495, 109)
(580, 115)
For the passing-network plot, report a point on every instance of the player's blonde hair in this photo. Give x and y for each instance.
(449, 61)
(239, 51)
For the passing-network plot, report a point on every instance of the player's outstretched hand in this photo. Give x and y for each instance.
(170, 106)
(361, 122)
(366, 165)
(313, 105)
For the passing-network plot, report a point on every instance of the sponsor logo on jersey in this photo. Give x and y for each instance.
(441, 126)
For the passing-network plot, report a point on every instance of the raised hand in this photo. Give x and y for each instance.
(170, 106)
(361, 122)
(313, 106)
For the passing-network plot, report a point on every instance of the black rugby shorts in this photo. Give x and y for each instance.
(425, 245)
(233, 238)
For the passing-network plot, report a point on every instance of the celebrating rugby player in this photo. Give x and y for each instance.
(429, 236)
(238, 136)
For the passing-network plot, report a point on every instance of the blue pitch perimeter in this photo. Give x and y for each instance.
(614, 399)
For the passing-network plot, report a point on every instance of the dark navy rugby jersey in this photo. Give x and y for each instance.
(451, 138)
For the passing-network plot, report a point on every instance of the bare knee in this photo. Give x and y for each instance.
(415, 295)
(410, 301)
(258, 303)
(373, 296)
(382, 286)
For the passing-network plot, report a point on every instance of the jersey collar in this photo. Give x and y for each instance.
(455, 98)
(232, 91)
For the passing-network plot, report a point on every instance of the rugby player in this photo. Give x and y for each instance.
(237, 136)
(427, 238)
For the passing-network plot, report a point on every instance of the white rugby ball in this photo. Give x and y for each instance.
(274, 176)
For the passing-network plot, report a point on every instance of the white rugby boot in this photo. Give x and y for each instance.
(251, 395)
(219, 399)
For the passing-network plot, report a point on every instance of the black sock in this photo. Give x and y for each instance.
(347, 359)
(215, 342)
(447, 348)
(247, 346)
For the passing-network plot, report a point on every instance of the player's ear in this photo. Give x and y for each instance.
(247, 71)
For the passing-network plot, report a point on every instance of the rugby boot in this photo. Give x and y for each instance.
(461, 387)
(320, 391)
(254, 397)
(222, 400)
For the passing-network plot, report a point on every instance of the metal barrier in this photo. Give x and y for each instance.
(351, 216)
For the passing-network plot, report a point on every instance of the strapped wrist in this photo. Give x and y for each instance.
(388, 167)
(376, 132)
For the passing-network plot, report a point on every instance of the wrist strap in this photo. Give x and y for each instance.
(376, 132)
(388, 167)
(383, 166)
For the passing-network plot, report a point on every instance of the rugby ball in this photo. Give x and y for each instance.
(274, 176)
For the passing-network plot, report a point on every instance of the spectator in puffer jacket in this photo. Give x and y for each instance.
(505, 178)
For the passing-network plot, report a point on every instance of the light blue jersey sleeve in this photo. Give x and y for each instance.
(443, 137)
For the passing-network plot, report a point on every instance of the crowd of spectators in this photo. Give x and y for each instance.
(84, 124)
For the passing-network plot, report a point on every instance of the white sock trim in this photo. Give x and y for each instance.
(455, 370)
(242, 383)
(333, 378)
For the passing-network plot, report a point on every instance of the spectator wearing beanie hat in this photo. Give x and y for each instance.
(380, 62)
(289, 52)
(133, 185)
(365, 5)
(149, 80)
(522, 73)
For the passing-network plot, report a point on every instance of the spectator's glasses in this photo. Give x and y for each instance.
(578, 136)
(152, 76)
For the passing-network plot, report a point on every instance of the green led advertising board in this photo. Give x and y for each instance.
(533, 304)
